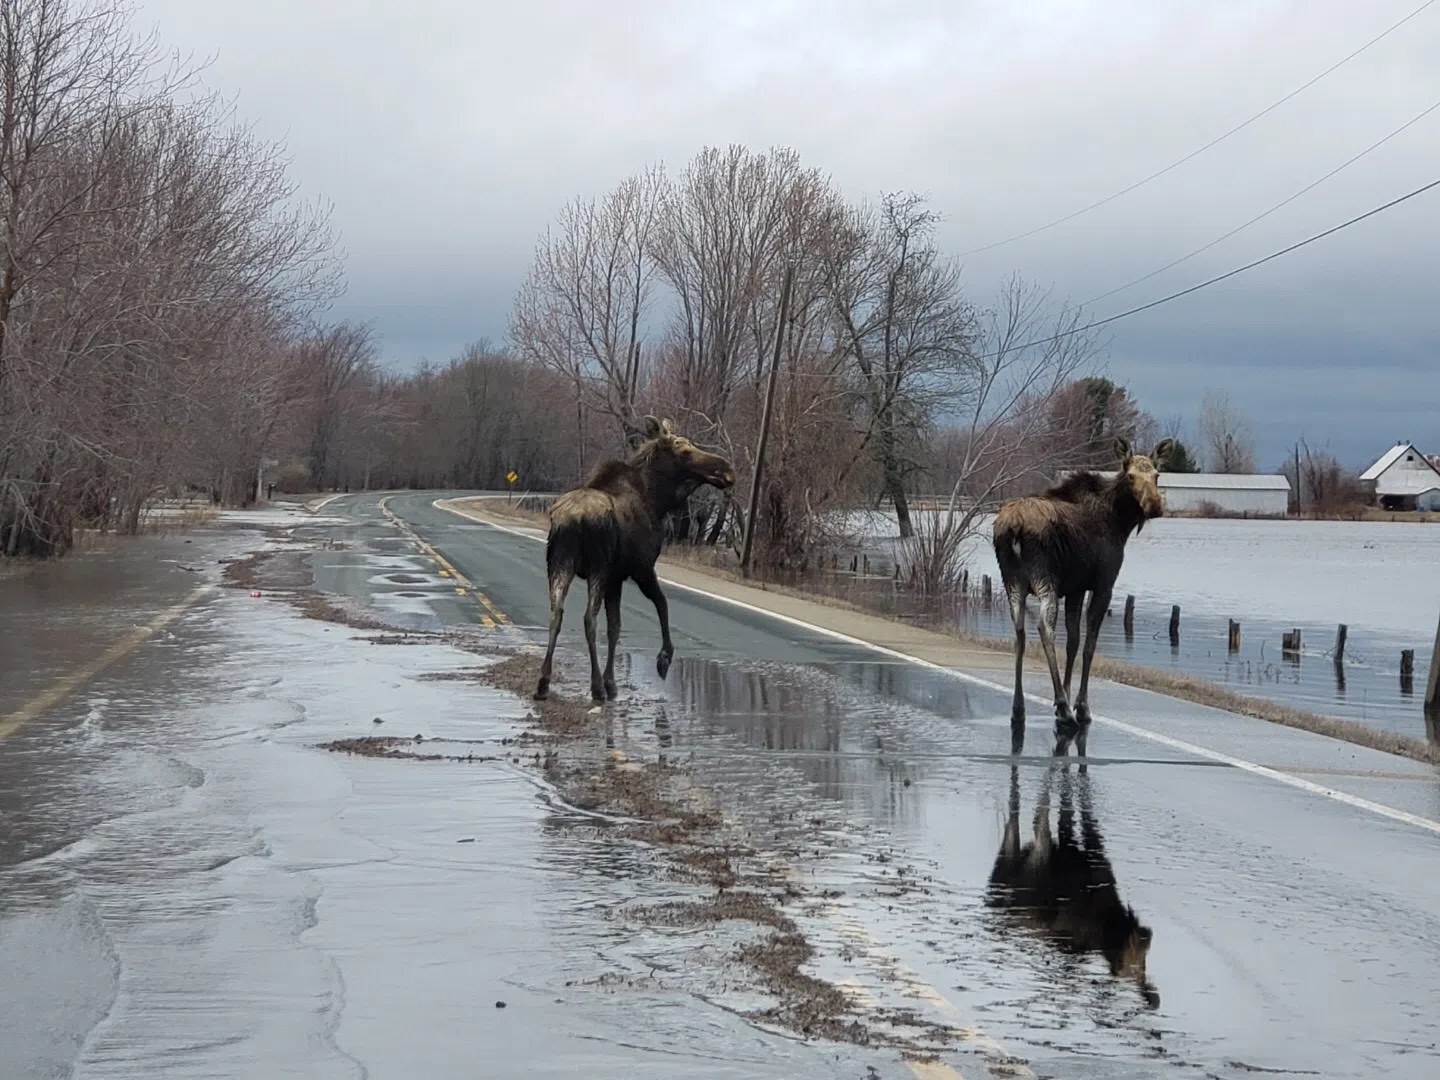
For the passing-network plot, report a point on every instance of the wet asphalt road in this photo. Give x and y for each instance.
(188, 887)
(1290, 931)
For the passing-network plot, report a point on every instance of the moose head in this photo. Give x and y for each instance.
(679, 462)
(1142, 473)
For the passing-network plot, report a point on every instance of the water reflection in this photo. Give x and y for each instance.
(1061, 888)
(767, 713)
(832, 738)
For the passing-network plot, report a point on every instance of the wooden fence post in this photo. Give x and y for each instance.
(1175, 624)
(1129, 617)
(985, 592)
(1340, 636)
(1407, 671)
(1234, 637)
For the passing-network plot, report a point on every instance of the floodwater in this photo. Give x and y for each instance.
(1381, 579)
(191, 886)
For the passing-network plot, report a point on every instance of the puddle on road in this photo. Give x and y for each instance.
(1060, 887)
(841, 851)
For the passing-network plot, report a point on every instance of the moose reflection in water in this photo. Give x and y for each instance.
(1061, 887)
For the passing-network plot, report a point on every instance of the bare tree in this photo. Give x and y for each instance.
(730, 221)
(1225, 433)
(1322, 485)
(904, 324)
(1027, 353)
(155, 260)
(580, 309)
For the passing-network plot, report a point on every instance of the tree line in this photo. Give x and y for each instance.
(162, 331)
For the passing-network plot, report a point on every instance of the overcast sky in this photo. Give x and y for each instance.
(447, 133)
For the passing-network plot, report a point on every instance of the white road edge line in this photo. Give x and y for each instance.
(1302, 784)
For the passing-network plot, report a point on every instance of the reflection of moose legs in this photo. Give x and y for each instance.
(650, 586)
(1062, 886)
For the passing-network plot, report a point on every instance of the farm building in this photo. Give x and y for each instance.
(1255, 495)
(1251, 495)
(1404, 479)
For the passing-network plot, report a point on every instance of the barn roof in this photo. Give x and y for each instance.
(1390, 457)
(1225, 481)
(1217, 481)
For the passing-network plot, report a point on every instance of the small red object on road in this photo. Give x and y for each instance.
(254, 592)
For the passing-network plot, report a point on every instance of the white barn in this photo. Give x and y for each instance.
(1255, 495)
(1248, 494)
(1404, 479)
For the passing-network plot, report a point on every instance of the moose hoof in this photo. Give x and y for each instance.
(662, 664)
(543, 690)
(611, 690)
(1064, 718)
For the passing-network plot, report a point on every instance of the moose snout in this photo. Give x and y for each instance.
(726, 478)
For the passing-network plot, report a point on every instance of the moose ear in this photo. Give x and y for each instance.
(1122, 450)
(667, 427)
(1163, 449)
(651, 427)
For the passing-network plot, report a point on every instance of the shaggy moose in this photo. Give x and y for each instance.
(1061, 545)
(612, 528)
(1064, 889)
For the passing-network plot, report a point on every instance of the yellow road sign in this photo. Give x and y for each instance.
(512, 476)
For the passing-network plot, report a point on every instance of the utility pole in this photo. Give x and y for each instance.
(780, 327)
(1299, 485)
(265, 463)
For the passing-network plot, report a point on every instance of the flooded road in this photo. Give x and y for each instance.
(189, 883)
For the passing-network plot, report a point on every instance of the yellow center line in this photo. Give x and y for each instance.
(60, 689)
(494, 616)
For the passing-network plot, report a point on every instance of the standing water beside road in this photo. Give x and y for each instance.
(1382, 579)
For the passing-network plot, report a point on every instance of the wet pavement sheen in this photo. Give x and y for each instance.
(187, 884)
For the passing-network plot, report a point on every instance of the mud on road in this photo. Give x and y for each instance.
(740, 881)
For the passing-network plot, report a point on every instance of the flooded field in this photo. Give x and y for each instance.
(1381, 579)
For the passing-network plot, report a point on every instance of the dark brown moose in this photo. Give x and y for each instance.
(612, 529)
(1062, 888)
(1061, 545)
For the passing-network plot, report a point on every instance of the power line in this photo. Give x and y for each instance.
(1278, 206)
(1221, 277)
(1213, 142)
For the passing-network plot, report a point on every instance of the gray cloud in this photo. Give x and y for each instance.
(447, 135)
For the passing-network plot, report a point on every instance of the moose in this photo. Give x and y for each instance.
(1063, 544)
(1063, 888)
(612, 529)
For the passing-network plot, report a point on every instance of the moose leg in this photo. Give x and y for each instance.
(612, 629)
(559, 586)
(650, 586)
(592, 613)
(1099, 604)
(1017, 708)
(1049, 611)
(1074, 606)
